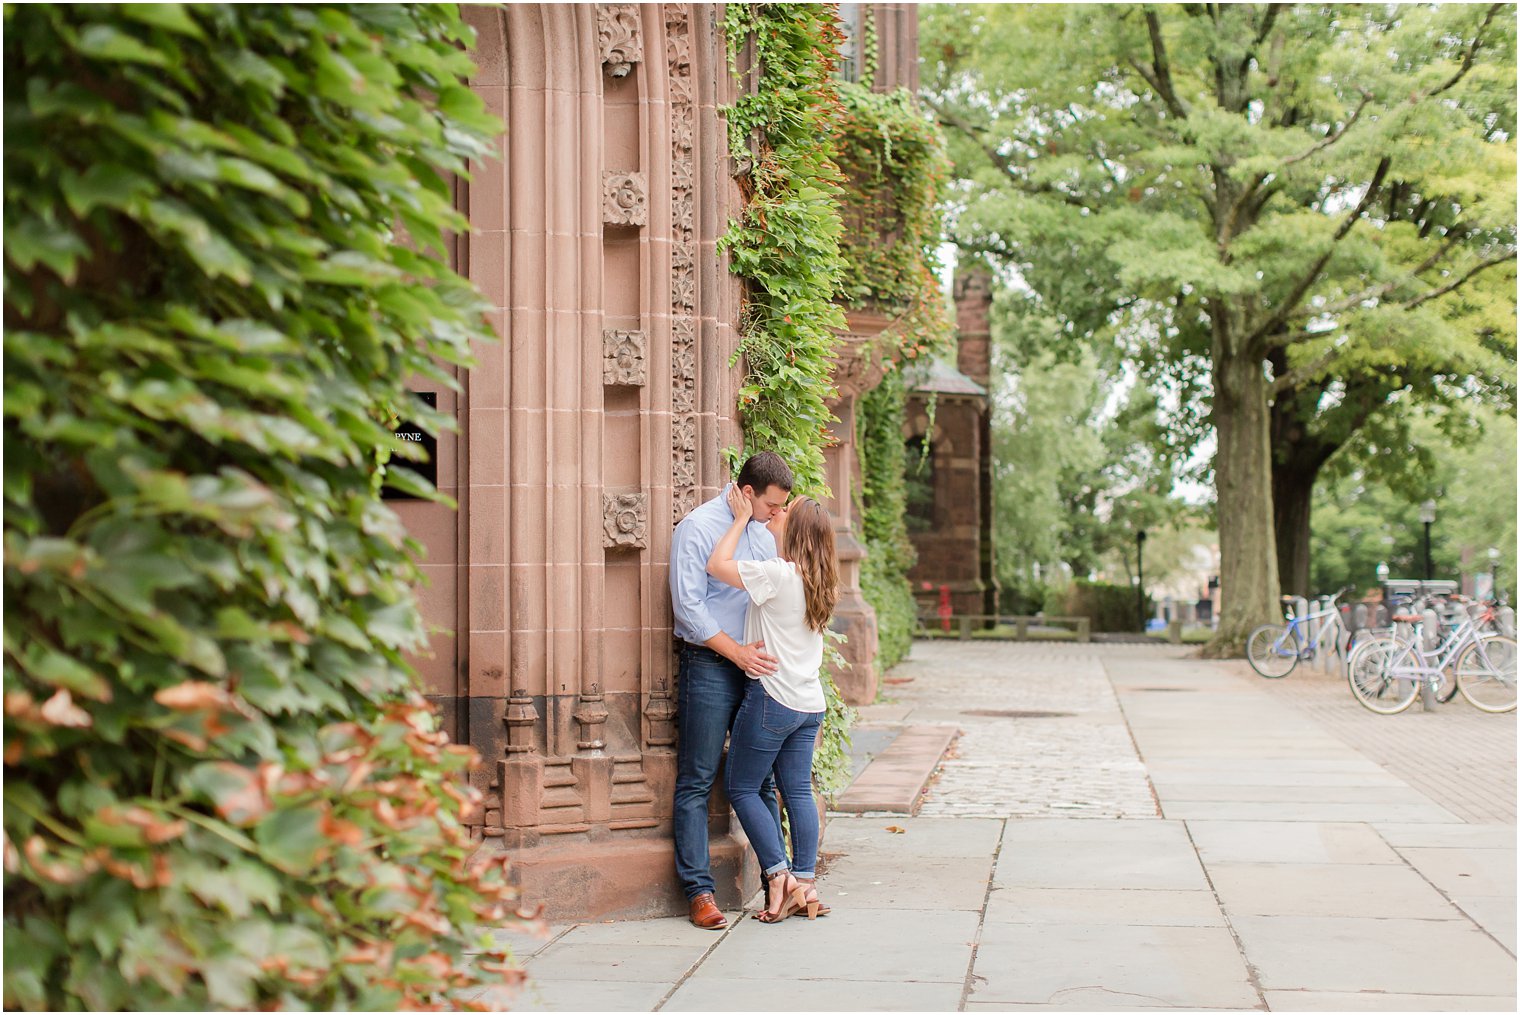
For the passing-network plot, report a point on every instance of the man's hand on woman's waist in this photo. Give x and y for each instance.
(752, 659)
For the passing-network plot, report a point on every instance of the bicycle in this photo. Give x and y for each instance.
(1386, 673)
(1273, 650)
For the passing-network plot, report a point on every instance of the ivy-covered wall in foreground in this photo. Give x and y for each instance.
(222, 789)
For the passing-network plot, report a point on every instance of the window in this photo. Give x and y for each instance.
(918, 485)
(851, 56)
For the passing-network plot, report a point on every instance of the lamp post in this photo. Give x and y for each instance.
(1140, 577)
(1382, 572)
(1493, 572)
(1428, 516)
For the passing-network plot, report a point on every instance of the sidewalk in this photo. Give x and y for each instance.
(1121, 827)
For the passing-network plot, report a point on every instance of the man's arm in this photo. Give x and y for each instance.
(688, 586)
(688, 594)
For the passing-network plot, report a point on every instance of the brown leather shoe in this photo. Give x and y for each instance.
(706, 914)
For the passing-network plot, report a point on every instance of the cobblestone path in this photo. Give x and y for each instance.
(1043, 739)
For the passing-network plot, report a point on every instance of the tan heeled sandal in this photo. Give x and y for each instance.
(791, 899)
(812, 906)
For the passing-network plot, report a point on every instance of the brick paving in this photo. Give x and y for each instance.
(1460, 757)
(1080, 762)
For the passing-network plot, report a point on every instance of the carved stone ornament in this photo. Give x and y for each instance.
(619, 38)
(683, 267)
(661, 713)
(591, 713)
(520, 718)
(625, 200)
(625, 520)
(623, 357)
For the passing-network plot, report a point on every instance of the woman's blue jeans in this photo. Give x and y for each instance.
(767, 735)
(710, 691)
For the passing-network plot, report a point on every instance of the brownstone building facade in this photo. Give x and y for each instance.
(950, 463)
(594, 426)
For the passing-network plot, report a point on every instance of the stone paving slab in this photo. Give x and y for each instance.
(1494, 913)
(1465, 871)
(881, 945)
(1304, 889)
(1112, 964)
(921, 837)
(1289, 842)
(894, 781)
(576, 995)
(1258, 811)
(1436, 836)
(796, 994)
(1139, 907)
(886, 882)
(1306, 1000)
(1099, 854)
(643, 963)
(1355, 954)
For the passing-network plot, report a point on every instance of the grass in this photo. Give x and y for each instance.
(1003, 632)
(1190, 635)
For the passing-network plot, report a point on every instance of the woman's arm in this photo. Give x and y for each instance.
(720, 564)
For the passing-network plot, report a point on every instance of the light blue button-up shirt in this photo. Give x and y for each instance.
(703, 605)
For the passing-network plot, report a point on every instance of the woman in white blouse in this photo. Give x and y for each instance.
(792, 598)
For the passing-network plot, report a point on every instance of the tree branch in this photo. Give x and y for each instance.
(1381, 289)
(1507, 258)
(1163, 69)
(1298, 375)
(1333, 137)
(972, 132)
(1274, 324)
(1273, 10)
(1472, 50)
(1003, 162)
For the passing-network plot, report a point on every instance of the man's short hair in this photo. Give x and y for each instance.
(765, 470)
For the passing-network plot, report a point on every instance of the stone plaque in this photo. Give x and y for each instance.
(414, 434)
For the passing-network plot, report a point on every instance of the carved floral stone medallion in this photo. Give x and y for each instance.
(625, 199)
(625, 520)
(623, 357)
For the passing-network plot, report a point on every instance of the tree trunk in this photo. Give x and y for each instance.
(1301, 445)
(1292, 492)
(1248, 582)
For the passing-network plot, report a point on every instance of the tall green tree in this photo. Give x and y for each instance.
(1081, 464)
(1259, 202)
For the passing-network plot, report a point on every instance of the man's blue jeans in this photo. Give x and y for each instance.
(710, 691)
(768, 735)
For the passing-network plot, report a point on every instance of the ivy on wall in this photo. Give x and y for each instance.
(785, 246)
(895, 166)
(223, 789)
(889, 551)
(844, 186)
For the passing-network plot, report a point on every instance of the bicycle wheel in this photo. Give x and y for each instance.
(1485, 672)
(1374, 682)
(1272, 650)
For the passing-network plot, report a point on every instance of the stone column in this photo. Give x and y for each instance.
(857, 368)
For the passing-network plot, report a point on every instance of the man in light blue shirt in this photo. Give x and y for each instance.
(709, 621)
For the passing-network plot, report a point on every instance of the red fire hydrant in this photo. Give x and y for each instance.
(944, 608)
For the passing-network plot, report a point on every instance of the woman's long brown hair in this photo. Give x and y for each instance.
(809, 543)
